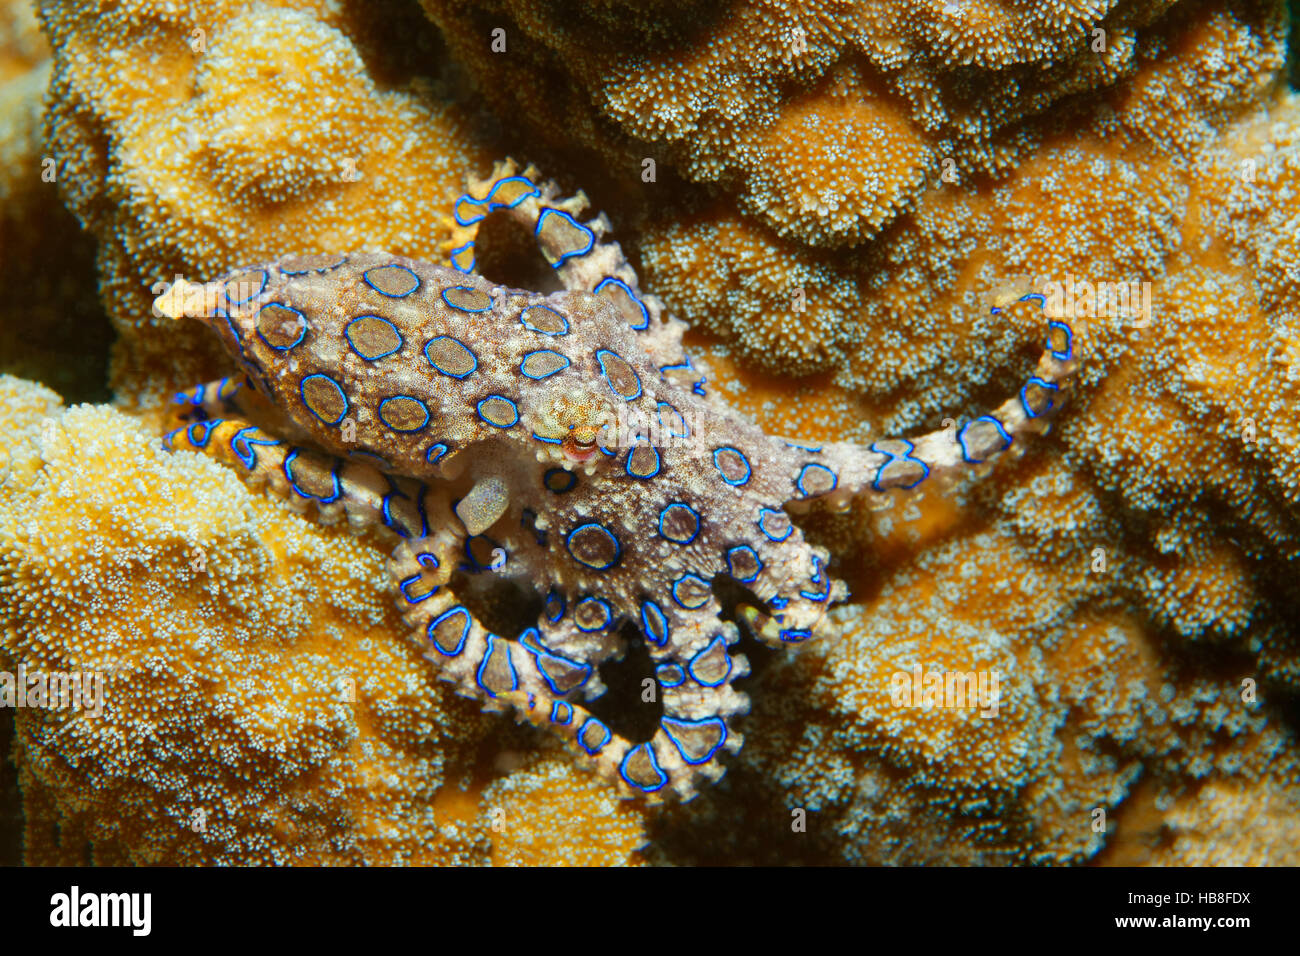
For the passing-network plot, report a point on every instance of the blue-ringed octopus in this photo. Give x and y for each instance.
(563, 441)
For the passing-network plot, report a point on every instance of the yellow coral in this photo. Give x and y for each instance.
(259, 703)
(543, 814)
(819, 230)
(194, 140)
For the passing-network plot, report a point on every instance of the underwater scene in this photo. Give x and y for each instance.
(633, 432)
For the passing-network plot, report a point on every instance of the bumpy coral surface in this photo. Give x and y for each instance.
(255, 706)
(51, 324)
(838, 192)
(203, 136)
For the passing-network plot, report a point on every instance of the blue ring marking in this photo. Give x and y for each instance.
(654, 762)
(302, 333)
(549, 441)
(798, 482)
(543, 656)
(365, 277)
(556, 371)
(604, 606)
(205, 428)
(1024, 396)
(532, 328)
(472, 564)
(561, 707)
(422, 511)
(479, 408)
(441, 449)
(387, 511)
(430, 360)
(407, 582)
(226, 389)
(532, 187)
(455, 253)
(779, 603)
(682, 724)
(652, 619)
(961, 437)
(732, 571)
(1062, 356)
(445, 616)
(347, 334)
(821, 579)
(627, 467)
(570, 484)
(559, 598)
(293, 482)
(698, 387)
(795, 635)
(490, 204)
(582, 734)
(591, 236)
(690, 666)
(219, 312)
(404, 431)
(645, 313)
(670, 675)
(600, 360)
(905, 456)
(686, 429)
(241, 445)
(460, 308)
(766, 514)
(694, 515)
(303, 384)
(193, 397)
(266, 277)
(689, 576)
(749, 471)
(168, 436)
(607, 452)
(807, 448)
(492, 646)
(1036, 297)
(680, 366)
(618, 547)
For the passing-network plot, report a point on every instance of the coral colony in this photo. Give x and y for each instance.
(895, 460)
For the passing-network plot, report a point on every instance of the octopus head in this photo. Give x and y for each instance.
(574, 417)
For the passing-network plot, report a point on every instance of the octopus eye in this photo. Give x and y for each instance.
(576, 450)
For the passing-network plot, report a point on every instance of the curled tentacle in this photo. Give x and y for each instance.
(840, 470)
(582, 255)
(537, 680)
(303, 476)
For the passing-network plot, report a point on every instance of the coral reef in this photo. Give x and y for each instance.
(571, 438)
(824, 120)
(1124, 578)
(256, 706)
(194, 139)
